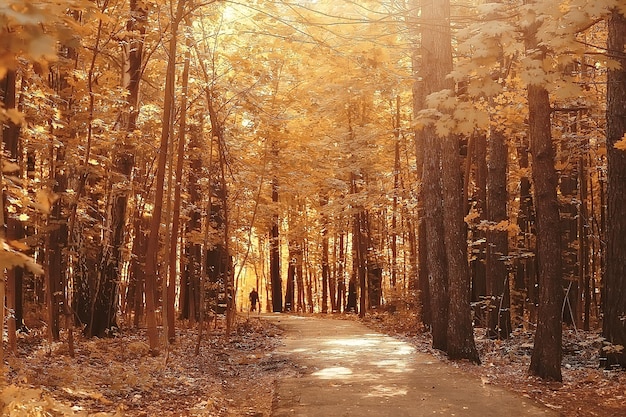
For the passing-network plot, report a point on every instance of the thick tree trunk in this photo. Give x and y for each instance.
(614, 295)
(14, 228)
(546, 357)
(436, 52)
(435, 251)
(545, 361)
(460, 335)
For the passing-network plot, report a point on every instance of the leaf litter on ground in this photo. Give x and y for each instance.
(233, 375)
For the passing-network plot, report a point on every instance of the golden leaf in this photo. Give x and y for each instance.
(620, 144)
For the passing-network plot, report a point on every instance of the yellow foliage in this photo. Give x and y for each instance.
(620, 144)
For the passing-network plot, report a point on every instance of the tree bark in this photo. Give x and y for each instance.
(460, 335)
(435, 51)
(291, 284)
(169, 299)
(546, 357)
(420, 234)
(153, 240)
(545, 361)
(341, 278)
(326, 280)
(614, 295)
(499, 317)
(14, 228)
(526, 266)
(478, 264)
(274, 253)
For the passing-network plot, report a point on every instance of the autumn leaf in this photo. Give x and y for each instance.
(15, 116)
(620, 144)
(9, 167)
(44, 200)
(471, 216)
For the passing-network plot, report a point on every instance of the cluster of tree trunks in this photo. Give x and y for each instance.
(103, 243)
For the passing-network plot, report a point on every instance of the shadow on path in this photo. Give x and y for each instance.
(350, 370)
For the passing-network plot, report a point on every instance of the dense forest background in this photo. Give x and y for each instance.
(464, 160)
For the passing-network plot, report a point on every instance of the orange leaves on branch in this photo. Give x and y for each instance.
(450, 115)
(31, 29)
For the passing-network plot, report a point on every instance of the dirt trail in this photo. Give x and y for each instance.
(350, 370)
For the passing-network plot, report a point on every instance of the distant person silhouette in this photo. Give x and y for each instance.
(254, 298)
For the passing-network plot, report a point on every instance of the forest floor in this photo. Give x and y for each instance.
(232, 376)
(236, 375)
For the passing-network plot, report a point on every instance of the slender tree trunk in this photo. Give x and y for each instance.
(326, 280)
(173, 244)
(2, 282)
(614, 295)
(525, 266)
(568, 186)
(341, 278)
(421, 240)
(138, 267)
(355, 276)
(304, 285)
(479, 261)
(57, 238)
(124, 155)
(274, 252)
(153, 240)
(396, 194)
(291, 284)
(373, 271)
(583, 246)
(499, 322)
(192, 270)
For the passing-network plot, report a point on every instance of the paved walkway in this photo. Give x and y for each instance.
(350, 370)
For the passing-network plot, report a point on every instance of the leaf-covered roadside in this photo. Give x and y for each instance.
(232, 376)
(587, 390)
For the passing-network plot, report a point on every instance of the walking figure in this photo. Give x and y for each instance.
(254, 298)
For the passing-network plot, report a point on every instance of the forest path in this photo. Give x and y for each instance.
(348, 369)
